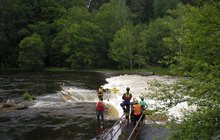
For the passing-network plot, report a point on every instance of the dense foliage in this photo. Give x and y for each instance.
(31, 54)
(81, 34)
(202, 125)
(197, 56)
(70, 29)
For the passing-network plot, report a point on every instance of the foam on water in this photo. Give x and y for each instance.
(138, 86)
(49, 101)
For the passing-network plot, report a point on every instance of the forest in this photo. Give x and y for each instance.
(122, 34)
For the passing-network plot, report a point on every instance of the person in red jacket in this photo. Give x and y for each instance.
(100, 110)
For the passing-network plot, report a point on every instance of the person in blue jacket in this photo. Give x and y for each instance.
(126, 103)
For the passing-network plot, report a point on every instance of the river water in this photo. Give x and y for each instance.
(49, 117)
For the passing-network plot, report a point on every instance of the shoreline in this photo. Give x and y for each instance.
(117, 73)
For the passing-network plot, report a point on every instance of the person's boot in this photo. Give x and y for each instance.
(127, 121)
(124, 109)
(127, 118)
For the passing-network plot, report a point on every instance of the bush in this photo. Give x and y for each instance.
(28, 97)
(202, 125)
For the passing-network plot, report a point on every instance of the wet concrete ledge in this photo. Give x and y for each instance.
(145, 132)
(152, 132)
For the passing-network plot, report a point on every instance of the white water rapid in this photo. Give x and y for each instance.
(138, 85)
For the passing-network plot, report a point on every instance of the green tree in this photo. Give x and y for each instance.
(70, 3)
(142, 10)
(111, 17)
(199, 59)
(73, 15)
(140, 52)
(204, 125)
(31, 54)
(82, 43)
(122, 47)
(44, 29)
(12, 18)
(21, 18)
(152, 39)
(200, 2)
(95, 4)
(198, 36)
(42, 10)
(161, 7)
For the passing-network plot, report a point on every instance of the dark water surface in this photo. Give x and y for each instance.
(49, 117)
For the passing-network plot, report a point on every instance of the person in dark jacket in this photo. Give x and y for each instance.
(126, 100)
(126, 103)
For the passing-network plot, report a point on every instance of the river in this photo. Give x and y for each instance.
(51, 117)
(48, 117)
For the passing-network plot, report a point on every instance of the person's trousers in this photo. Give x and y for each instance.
(100, 114)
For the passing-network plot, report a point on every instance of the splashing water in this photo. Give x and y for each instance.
(138, 86)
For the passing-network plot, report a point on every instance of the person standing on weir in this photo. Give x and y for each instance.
(100, 111)
(136, 108)
(126, 103)
(100, 92)
(144, 106)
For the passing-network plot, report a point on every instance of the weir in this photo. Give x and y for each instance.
(120, 130)
(114, 133)
(114, 130)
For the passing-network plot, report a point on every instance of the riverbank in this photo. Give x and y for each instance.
(150, 70)
(143, 72)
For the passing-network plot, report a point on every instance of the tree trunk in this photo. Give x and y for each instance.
(131, 64)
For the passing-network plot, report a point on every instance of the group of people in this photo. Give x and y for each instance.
(133, 110)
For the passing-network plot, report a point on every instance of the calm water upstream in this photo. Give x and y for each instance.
(49, 117)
